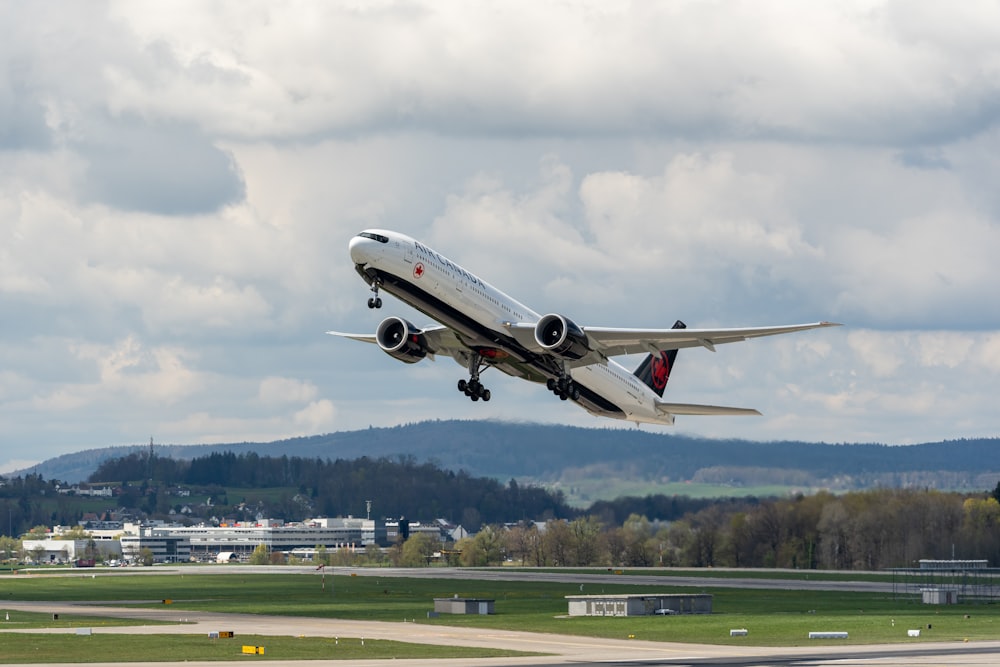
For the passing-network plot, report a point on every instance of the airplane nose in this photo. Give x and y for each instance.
(360, 249)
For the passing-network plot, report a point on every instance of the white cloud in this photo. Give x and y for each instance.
(816, 70)
(317, 417)
(178, 186)
(278, 390)
(159, 375)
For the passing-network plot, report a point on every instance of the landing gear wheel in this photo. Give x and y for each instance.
(563, 387)
(472, 387)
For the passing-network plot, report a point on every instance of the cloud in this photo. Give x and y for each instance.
(817, 71)
(178, 186)
(167, 168)
(277, 390)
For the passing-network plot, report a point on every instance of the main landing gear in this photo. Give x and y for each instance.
(563, 387)
(473, 388)
(375, 301)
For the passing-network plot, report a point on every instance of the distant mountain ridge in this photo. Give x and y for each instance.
(545, 453)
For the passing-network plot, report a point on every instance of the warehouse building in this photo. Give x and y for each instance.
(640, 604)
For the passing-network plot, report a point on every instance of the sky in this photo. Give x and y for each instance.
(179, 182)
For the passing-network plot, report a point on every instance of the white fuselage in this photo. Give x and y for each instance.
(480, 315)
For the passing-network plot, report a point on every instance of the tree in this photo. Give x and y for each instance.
(261, 555)
(639, 545)
(585, 544)
(77, 532)
(38, 533)
(518, 541)
(38, 554)
(322, 556)
(90, 551)
(9, 547)
(146, 556)
(557, 543)
(486, 548)
(417, 550)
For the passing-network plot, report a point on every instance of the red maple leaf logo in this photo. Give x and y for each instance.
(418, 270)
(660, 371)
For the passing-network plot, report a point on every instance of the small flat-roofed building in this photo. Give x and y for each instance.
(458, 605)
(640, 604)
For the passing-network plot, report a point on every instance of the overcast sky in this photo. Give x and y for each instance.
(179, 182)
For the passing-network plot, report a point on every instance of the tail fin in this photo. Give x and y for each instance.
(655, 369)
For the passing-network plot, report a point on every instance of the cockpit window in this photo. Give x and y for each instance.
(375, 237)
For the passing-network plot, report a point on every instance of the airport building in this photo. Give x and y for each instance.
(947, 581)
(164, 547)
(51, 550)
(301, 539)
(640, 604)
(178, 543)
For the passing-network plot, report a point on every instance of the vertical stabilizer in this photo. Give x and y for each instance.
(655, 369)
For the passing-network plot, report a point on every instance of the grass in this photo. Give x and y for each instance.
(61, 648)
(709, 573)
(27, 620)
(773, 617)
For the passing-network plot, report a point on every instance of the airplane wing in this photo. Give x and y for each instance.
(613, 342)
(440, 340)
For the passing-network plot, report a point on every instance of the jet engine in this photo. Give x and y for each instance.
(561, 336)
(401, 340)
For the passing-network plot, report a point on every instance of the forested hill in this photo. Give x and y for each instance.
(547, 453)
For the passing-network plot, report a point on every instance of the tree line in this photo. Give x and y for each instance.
(399, 487)
(862, 530)
(867, 530)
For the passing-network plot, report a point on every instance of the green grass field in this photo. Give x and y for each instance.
(773, 618)
(20, 649)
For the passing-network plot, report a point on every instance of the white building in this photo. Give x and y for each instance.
(51, 550)
(206, 542)
(165, 547)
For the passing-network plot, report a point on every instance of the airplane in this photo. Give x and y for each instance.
(481, 327)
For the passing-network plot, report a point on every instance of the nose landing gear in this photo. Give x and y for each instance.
(375, 301)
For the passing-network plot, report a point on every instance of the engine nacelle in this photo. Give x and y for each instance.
(561, 336)
(401, 340)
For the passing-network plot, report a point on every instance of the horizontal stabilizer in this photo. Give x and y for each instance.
(691, 409)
